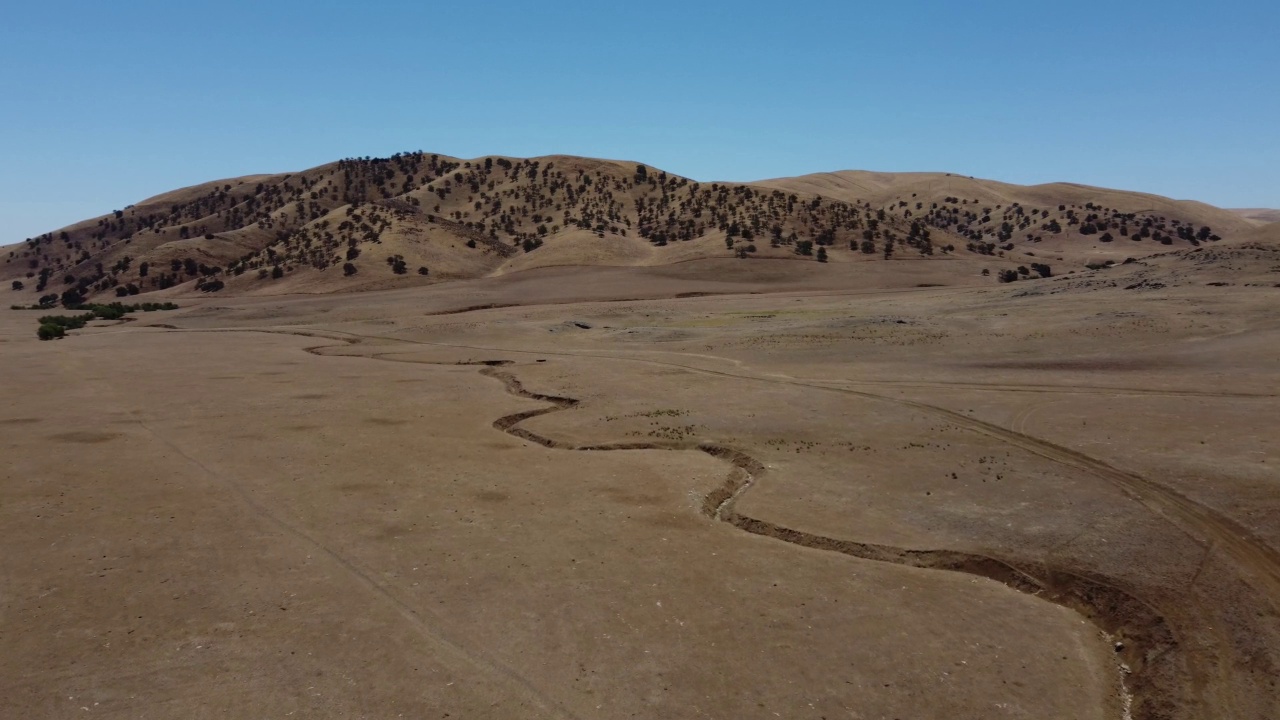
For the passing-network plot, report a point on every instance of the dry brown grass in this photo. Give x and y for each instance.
(717, 488)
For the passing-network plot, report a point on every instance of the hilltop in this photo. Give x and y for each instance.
(417, 218)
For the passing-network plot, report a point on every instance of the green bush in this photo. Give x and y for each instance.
(112, 311)
(68, 322)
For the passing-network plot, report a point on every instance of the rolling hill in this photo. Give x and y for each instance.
(1079, 223)
(1259, 216)
(372, 223)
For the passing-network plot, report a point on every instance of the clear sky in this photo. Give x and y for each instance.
(105, 103)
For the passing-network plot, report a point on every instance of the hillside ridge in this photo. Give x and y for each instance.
(412, 218)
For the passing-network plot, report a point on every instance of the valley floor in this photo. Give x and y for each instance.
(648, 493)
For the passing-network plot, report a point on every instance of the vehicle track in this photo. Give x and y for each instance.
(1051, 389)
(420, 619)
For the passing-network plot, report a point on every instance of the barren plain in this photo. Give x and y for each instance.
(721, 489)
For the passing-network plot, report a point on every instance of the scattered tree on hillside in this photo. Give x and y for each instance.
(72, 297)
(318, 217)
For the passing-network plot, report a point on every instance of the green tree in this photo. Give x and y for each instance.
(72, 298)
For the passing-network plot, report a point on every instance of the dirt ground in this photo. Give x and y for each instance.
(648, 493)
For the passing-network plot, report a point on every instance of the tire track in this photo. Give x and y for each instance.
(1056, 389)
(539, 702)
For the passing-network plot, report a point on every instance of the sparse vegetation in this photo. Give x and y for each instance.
(110, 311)
(323, 219)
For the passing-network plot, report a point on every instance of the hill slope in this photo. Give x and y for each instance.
(367, 223)
(1079, 223)
(1259, 216)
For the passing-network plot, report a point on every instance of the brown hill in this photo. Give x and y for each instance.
(1075, 223)
(368, 223)
(1259, 216)
(1247, 260)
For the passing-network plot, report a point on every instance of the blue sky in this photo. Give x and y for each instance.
(107, 103)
